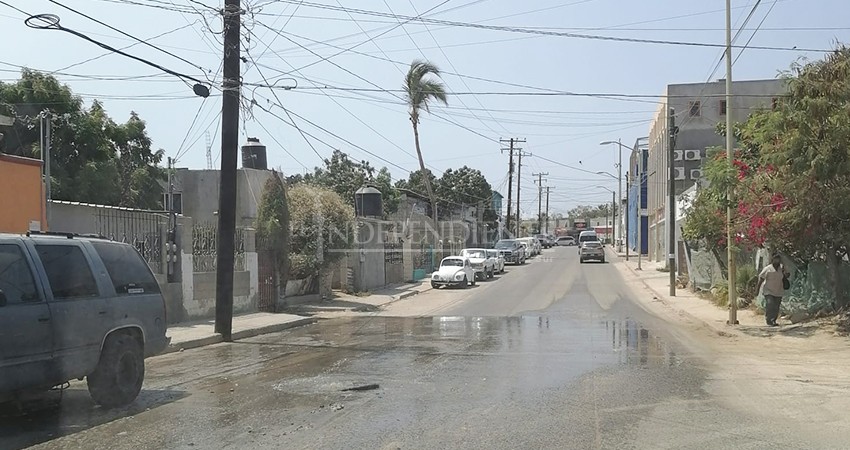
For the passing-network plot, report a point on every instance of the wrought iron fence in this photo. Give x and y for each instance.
(204, 253)
(143, 229)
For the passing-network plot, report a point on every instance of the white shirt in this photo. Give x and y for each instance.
(772, 280)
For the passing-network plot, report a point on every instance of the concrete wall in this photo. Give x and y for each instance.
(202, 305)
(22, 198)
(199, 194)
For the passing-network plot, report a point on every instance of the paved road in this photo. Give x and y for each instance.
(551, 355)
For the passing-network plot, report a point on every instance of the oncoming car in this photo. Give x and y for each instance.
(453, 271)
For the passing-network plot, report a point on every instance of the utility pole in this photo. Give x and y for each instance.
(619, 189)
(227, 186)
(547, 209)
(540, 200)
(520, 154)
(46, 132)
(671, 194)
(640, 207)
(613, 217)
(628, 213)
(730, 193)
(510, 180)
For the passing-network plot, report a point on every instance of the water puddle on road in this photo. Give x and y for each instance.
(548, 350)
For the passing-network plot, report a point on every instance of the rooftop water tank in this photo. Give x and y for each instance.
(368, 202)
(254, 155)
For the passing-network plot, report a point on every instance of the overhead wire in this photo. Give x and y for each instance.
(546, 32)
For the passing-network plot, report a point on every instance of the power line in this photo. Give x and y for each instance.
(124, 33)
(544, 32)
(754, 33)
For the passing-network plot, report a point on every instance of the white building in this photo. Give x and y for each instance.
(697, 108)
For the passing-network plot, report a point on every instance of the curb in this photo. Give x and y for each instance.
(682, 312)
(406, 294)
(242, 334)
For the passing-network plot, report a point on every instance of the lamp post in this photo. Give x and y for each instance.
(640, 195)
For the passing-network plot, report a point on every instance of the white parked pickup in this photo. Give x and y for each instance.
(483, 266)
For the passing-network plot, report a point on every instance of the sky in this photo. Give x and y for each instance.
(345, 61)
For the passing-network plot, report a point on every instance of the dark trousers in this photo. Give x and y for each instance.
(771, 308)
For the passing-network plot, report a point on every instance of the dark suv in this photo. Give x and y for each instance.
(74, 307)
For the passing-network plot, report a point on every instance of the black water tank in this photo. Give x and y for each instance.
(254, 155)
(368, 203)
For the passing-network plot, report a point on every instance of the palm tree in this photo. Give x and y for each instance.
(419, 91)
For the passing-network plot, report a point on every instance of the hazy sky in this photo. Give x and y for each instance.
(563, 128)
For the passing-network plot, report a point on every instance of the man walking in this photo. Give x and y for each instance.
(772, 279)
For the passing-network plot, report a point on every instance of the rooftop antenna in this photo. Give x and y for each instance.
(209, 151)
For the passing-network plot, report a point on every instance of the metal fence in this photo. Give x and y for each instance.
(143, 229)
(204, 253)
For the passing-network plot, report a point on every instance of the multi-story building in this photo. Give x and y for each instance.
(697, 109)
(637, 229)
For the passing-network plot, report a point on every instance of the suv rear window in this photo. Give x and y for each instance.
(127, 270)
(67, 270)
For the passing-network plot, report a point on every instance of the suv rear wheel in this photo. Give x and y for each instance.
(120, 372)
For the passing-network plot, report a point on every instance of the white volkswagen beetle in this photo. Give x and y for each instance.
(453, 271)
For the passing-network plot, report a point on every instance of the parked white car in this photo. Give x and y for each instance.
(532, 245)
(453, 271)
(481, 264)
(565, 241)
(498, 260)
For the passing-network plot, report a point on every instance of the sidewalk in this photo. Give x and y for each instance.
(200, 333)
(689, 304)
(342, 302)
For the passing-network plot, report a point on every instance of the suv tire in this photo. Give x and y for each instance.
(118, 377)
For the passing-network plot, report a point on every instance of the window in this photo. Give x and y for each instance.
(694, 108)
(127, 270)
(67, 271)
(16, 279)
(722, 107)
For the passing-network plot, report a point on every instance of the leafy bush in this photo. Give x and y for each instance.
(746, 282)
(720, 293)
(321, 229)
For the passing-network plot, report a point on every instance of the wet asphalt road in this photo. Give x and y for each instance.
(551, 355)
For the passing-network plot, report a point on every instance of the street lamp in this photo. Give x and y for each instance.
(607, 174)
(640, 194)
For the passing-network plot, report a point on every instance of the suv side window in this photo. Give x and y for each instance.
(67, 271)
(127, 270)
(16, 280)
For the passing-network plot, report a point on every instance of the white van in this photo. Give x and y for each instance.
(585, 236)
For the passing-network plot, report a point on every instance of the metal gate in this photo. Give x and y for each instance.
(267, 279)
(423, 261)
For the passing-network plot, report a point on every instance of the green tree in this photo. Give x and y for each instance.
(321, 229)
(273, 229)
(466, 186)
(419, 92)
(93, 159)
(345, 176)
(389, 194)
(800, 191)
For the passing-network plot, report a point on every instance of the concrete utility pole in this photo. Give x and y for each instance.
(47, 132)
(225, 246)
(671, 194)
(510, 179)
(619, 190)
(540, 200)
(520, 154)
(730, 194)
(613, 216)
(547, 209)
